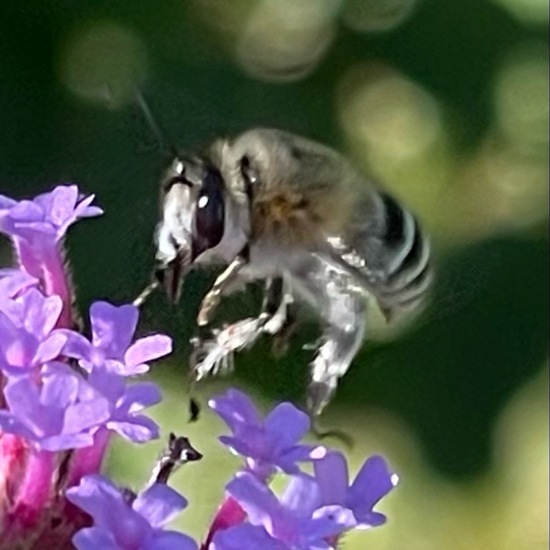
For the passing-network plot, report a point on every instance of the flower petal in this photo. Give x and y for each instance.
(169, 540)
(92, 538)
(138, 429)
(148, 349)
(159, 504)
(49, 349)
(113, 327)
(374, 481)
(256, 499)
(140, 395)
(76, 345)
(235, 408)
(301, 496)
(59, 389)
(286, 424)
(245, 536)
(331, 474)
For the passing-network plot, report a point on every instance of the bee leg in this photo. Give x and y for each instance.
(213, 355)
(342, 306)
(277, 300)
(281, 339)
(213, 297)
(279, 315)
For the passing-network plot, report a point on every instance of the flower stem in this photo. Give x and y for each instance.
(228, 514)
(34, 491)
(88, 460)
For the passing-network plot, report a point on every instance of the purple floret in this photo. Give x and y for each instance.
(111, 347)
(373, 482)
(126, 401)
(48, 215)
(27, 335)
(63, 413)
(123, 523)
(296, 522)
(265, 444)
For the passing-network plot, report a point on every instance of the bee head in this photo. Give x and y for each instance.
(192, 219)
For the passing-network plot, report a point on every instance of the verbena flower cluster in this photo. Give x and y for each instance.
(65, 390)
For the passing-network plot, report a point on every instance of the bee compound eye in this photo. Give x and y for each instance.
(209, 212)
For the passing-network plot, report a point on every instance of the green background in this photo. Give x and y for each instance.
(447, 378)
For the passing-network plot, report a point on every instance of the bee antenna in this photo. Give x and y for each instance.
(154, 124)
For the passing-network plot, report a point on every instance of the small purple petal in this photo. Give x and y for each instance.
(299, 453)
(139, 430)
(59, 390)
(148, 349)
(331, 474)
(159, 504)
(113, 327)
(92, 494)
(65, 442)
(235, 408)
(139, 396)
(330, 521)
(14, 281)
(5, 203)
(85, 415)
(373, 482)
(169, 540)
(245, 536)
(93, 538)
(49, 349)
(77, 346)
(301, 496)
(256, 499)
(286, 424)
(40, 313)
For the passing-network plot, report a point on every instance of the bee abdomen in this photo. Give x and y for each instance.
(405, 260)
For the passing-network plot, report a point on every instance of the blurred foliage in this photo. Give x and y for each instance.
(444, 101)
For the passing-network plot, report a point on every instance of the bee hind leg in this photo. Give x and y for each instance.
(342, 307)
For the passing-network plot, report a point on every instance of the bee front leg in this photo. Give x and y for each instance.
(335, 296)
(213, 297)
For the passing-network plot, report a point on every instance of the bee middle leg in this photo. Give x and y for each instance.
(214, 353)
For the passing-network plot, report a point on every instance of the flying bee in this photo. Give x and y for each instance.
(279, 208)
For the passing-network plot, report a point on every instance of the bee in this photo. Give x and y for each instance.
(271, 206)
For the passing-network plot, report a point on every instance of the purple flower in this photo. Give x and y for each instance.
(112, 331)
(27, 335)
(36, 227)
(372, 483)
(298, 521)
(125, 523)
(125, 401)
(62, 413)
(46, 216)
(268, 444)
(13, 282)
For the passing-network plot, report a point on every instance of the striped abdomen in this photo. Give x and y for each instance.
(393, 247)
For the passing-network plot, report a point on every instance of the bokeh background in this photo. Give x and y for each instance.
(445, 101)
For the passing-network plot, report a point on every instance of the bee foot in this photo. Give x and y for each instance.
(324, 378)
(215, 356)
